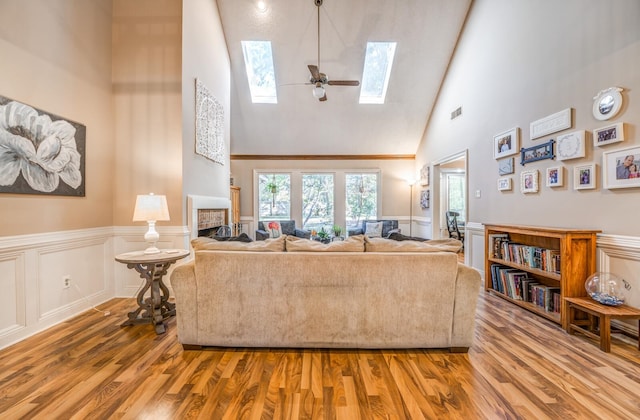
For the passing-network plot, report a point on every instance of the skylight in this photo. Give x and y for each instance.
(377, 69)
(258, 60)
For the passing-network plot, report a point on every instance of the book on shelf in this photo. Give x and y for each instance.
(508, 281)
(546, 297)
(525, 255)
(495, 244)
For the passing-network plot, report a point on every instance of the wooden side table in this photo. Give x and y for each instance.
(152, 267)
(603, 313)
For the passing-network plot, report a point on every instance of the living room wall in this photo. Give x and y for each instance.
(206, 58)
(517, 62)
(56, 56)
(147, 97)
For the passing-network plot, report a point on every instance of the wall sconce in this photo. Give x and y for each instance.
(151, 208)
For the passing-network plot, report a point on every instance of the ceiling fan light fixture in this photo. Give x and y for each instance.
(318, 91)
(262, 6)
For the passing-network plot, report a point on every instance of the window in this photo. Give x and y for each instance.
(377, 70)
(258, 62)
(455, 193)
(361, 198)
(320, 199)
(274, 196)
(317, 201)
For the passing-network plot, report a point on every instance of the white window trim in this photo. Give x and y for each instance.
(339, 197)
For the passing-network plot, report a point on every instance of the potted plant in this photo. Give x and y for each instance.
(323, 235)
(272, 187)
(337, 231)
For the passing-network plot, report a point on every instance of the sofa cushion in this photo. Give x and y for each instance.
(351, 244)
(373, 229)
(268, 245)
(389, 245)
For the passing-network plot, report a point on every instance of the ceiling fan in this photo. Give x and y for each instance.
(319, 80)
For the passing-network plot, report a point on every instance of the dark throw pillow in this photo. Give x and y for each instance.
(400, 237)
(243, 237)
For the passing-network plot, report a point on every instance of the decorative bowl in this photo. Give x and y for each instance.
(607, 288)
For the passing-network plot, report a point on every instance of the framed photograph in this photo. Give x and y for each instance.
(505, 166)
(424, 175)
(584, 177)
(424, 199)
(504, 184)
(609, 134)
(620, 168)
(529, 181)
(570, 145)
(506, 144)
(555, 176)
(540, 152)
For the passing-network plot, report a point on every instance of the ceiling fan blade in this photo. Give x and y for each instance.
(343, 83)
(315, 73)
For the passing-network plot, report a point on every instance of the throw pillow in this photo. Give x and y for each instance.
(400, 237)
(388, 245)
(351, 244)
(273, 227)
(269, 245)
(243, 237)
(374, 230)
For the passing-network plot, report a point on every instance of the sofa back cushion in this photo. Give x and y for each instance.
(351, 244)
(269, 245)
(389, 245)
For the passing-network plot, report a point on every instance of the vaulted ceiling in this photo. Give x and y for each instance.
(426, 32)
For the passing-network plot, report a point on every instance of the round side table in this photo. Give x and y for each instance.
(152, 267)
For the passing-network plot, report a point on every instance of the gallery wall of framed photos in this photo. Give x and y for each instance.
(557, 148)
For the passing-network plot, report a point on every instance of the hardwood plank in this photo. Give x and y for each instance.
(520, 366)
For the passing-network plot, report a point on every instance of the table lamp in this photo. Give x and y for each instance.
(151, 208)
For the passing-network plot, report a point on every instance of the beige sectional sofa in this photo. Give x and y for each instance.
(358, 293)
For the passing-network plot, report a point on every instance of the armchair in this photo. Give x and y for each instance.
(288, 228)
(388, 227)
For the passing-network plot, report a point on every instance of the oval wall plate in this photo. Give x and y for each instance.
(607, 103)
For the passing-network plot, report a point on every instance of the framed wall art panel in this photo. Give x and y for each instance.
(40, 152)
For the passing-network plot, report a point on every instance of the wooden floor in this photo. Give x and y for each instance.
(520, 366)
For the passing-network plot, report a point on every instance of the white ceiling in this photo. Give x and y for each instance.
(426, 32)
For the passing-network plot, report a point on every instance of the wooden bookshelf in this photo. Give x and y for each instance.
(577, 252)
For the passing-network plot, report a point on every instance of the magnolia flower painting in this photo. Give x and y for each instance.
(40, 153)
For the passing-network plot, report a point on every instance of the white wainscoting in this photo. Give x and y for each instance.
(32, 268)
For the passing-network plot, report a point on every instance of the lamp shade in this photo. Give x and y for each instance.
(151, 207)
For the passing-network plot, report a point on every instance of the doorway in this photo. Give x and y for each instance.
(451, 176)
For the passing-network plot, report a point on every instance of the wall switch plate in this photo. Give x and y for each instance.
(478, 194)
